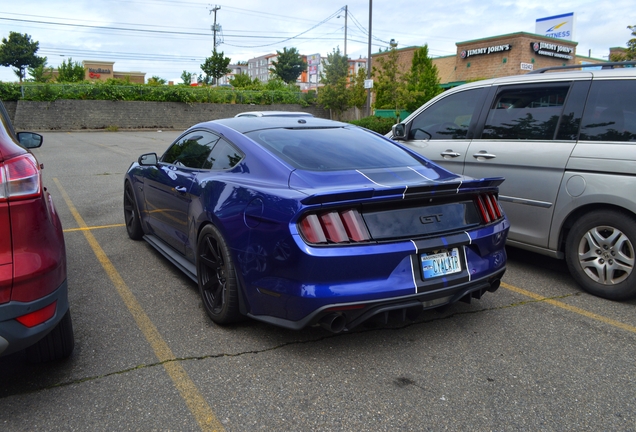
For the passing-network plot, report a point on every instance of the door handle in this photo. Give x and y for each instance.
(450, 153)
(483, 154)
(181, 189)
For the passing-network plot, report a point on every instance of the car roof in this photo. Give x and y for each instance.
(274, 114)
(248, 124)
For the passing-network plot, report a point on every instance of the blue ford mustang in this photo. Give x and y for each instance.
(305, 221)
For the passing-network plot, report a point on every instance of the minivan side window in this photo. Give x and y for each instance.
(448, 118)
(610, 113)
(526, 112)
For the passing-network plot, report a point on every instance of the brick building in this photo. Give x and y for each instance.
(492, 57)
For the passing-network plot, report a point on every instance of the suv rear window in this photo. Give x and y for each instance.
(526, 113)
(332, 149)
(610, 114)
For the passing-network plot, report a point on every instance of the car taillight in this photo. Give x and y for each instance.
(488, 206)
(345, 226)
(20, 178)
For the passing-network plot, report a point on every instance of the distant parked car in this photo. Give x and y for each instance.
(300, 221)
(566, 143)
(274, 114)
(34, 310)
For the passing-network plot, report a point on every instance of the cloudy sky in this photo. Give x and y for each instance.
(165, 37)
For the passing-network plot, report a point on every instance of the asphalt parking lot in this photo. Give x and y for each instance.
(539, 354)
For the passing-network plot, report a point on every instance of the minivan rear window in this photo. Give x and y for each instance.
(610, 113)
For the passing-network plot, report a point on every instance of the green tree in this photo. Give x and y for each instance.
(70, 72)
(41, 73)
(186, 77)
(334, 95)
(389, 84)
(19, 52)
(156, 81)
(422, 81)
(358, 94)
(289, 65)
(215, 66)
(241, 80)
(630, 52)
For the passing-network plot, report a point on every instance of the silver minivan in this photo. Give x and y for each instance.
(566, 144)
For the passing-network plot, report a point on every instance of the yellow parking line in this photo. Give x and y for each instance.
(570, 308)
(93, 227)
(202, 412)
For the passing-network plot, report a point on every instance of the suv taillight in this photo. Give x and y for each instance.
(345, 226)
(488, 206)
(20, 178)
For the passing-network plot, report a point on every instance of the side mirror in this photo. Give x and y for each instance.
(30, 140)
(399, 131)
(148, 159)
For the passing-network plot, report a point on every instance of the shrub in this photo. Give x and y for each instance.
(381, 125)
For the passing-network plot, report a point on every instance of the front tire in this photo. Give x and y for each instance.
(217, 277)
(131, 214)
(600, 254)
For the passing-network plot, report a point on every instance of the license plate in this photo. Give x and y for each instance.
(441, 263)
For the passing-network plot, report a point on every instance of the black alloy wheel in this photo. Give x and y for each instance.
(131, 214)
(217, 277)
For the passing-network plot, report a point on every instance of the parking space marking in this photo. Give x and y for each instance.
(571, 308)
(198, 406)
(93, 228)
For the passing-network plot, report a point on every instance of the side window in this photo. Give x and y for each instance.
(526, 112)
(610, 113)
(191, 150)
(448, 118)
(223, 156)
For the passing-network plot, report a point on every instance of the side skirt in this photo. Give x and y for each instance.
(173, 256)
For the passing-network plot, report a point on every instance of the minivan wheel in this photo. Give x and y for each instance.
(599, 252)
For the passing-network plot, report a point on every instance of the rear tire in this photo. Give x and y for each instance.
(217, 277)
(56, 345)
(600, 254)
(131, 214)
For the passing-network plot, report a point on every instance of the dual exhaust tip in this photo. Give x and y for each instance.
(336, 322)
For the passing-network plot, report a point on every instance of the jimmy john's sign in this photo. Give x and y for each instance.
(485, 50)
(549, 49)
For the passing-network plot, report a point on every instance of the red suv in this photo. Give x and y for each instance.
(34, 310)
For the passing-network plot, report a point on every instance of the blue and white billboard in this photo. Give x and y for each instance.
(558, 26)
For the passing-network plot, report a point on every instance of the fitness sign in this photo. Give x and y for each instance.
(485, 50)
(552, 50)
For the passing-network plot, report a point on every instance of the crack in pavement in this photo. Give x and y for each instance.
(286, 344)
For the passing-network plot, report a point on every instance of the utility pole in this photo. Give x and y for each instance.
(214, 27)
(369, 61)
(345, 47)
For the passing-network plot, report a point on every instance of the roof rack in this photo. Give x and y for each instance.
(607, 65)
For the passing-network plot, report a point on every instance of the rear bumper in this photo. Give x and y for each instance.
(345, 316)
(14, 336)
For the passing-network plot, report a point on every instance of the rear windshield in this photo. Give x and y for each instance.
(332, 149)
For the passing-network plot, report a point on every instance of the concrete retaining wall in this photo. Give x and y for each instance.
(68, 115)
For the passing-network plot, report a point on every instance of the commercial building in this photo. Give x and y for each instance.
(497, 56)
